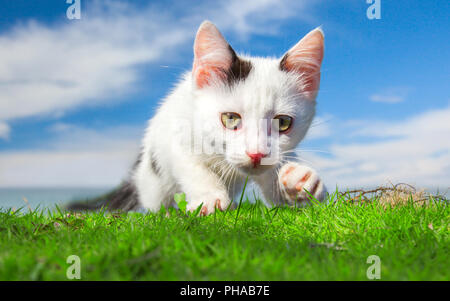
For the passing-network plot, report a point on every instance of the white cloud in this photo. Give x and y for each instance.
(386, 98)
(103, 168)
(391, 95)
(76, 157)
(4, 130)
(416, 150)
(257, 16)
(47, 70)
(320, 128)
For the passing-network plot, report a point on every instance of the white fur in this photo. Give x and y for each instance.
(207, 175)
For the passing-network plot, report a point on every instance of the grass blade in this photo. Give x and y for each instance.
(240, 202)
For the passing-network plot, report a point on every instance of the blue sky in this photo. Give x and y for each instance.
(77, 93)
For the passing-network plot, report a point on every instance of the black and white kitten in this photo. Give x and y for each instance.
(230, 117)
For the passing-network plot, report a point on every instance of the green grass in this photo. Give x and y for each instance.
(318, 242)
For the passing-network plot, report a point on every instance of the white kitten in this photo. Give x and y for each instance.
(216, 127)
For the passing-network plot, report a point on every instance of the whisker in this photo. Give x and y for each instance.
(306, 151)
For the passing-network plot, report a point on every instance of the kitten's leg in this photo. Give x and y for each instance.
(270, 187)
(295, 179)
(152, 189)
(201, 186)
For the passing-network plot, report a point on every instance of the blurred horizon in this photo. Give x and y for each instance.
(47, 197)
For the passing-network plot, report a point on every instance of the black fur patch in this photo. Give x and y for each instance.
(138, 161)
(124, 198)
(239, 68)
(154, 165)
(283, 63)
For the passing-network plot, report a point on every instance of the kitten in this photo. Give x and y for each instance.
(231, 116)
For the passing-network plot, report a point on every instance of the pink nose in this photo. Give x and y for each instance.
(256, 158)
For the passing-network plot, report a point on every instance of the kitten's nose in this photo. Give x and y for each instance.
(256, 158)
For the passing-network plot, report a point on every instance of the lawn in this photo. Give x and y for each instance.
(326, 241)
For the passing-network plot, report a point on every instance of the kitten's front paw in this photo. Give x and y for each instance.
(295, 179)
(210, 202)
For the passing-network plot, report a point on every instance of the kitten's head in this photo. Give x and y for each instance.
(258, 108)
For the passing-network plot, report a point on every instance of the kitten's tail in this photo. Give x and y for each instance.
(123, 198)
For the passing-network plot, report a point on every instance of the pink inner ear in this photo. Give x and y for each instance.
(305, 58)
(212, 56)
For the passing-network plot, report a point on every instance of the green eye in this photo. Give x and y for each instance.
(285, 122)
(231, 121)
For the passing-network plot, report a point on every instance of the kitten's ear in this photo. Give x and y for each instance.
(213, 56)
(305, 58)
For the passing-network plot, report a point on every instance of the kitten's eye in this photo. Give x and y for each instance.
(231, 121)
(285, 122)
